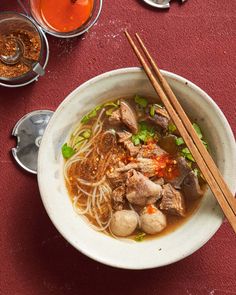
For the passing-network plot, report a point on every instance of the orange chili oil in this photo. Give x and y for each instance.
(151, 209)
(65, 15)
(166, 167)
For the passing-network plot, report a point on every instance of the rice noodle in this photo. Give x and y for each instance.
(93, 200)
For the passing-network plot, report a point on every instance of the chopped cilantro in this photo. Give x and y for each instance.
(91, 114)
(199, 133)
(179, 141)
(142, 125)
(152, 111)
(140, 237)
(136, 140)
(205, 144)
(198, 130)
(196, 172)
(67, 151)
(79, 139)
(171, 127)
(186, 153)
(87, 133)
(141, 101)
(144, 134)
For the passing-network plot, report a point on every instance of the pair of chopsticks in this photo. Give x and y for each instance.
(203, 159)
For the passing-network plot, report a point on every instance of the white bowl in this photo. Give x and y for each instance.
(132, 255)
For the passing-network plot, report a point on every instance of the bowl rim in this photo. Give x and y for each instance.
(115, 72)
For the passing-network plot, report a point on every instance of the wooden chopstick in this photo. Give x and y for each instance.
(178, 108)
(209, 173)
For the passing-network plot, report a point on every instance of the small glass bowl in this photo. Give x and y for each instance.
(96, 11)
(10, 20)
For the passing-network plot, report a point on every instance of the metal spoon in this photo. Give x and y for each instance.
(19, 56)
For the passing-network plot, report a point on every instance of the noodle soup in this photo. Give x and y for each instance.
(129, 172)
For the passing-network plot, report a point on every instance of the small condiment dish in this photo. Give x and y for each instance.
(35, 12)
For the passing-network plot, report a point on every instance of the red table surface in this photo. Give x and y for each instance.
(196, 40)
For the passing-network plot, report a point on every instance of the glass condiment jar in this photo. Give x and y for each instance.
(22, 41)
(35, 10)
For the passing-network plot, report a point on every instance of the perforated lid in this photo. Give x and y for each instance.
(29, 131)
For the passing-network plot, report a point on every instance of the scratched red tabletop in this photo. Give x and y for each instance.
(196, 40)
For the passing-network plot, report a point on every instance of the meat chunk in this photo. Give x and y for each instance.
(118, 197)
(183, 169)
(162, 112)
(128, 117)
(168, 144)
(118, 194)
(172, 201)
(140, 189)
(152, 221)
(160, 118)
(125, 115)
(146, 166)
(191, 187)
(133, 149)
(115, 118)
(123, 135)
(123, 223)
(160, 181)
(116, 178)
(149, 151)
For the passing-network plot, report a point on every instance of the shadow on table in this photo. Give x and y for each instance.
(50, 265)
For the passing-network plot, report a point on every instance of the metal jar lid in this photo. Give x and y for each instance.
(163, 4)
(29, 131)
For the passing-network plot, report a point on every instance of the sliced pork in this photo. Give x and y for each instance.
(160, 118)
(140, 189)
(146, 166)
(172, 201)
(123, 135)
(128, 117)
(124, 138)
(191, 187)
(115, 117)
(168, 144)
(133, 149)
(118, 198)
(150, 151)
(116, 178)
(183, 169)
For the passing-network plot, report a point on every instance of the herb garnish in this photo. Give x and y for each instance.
(179, 141)
(144, 134)
(67, 151)
(152, 111)
(141, 101)
(171, 127)
(185, 151)
(140, 237)
(91, 114)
